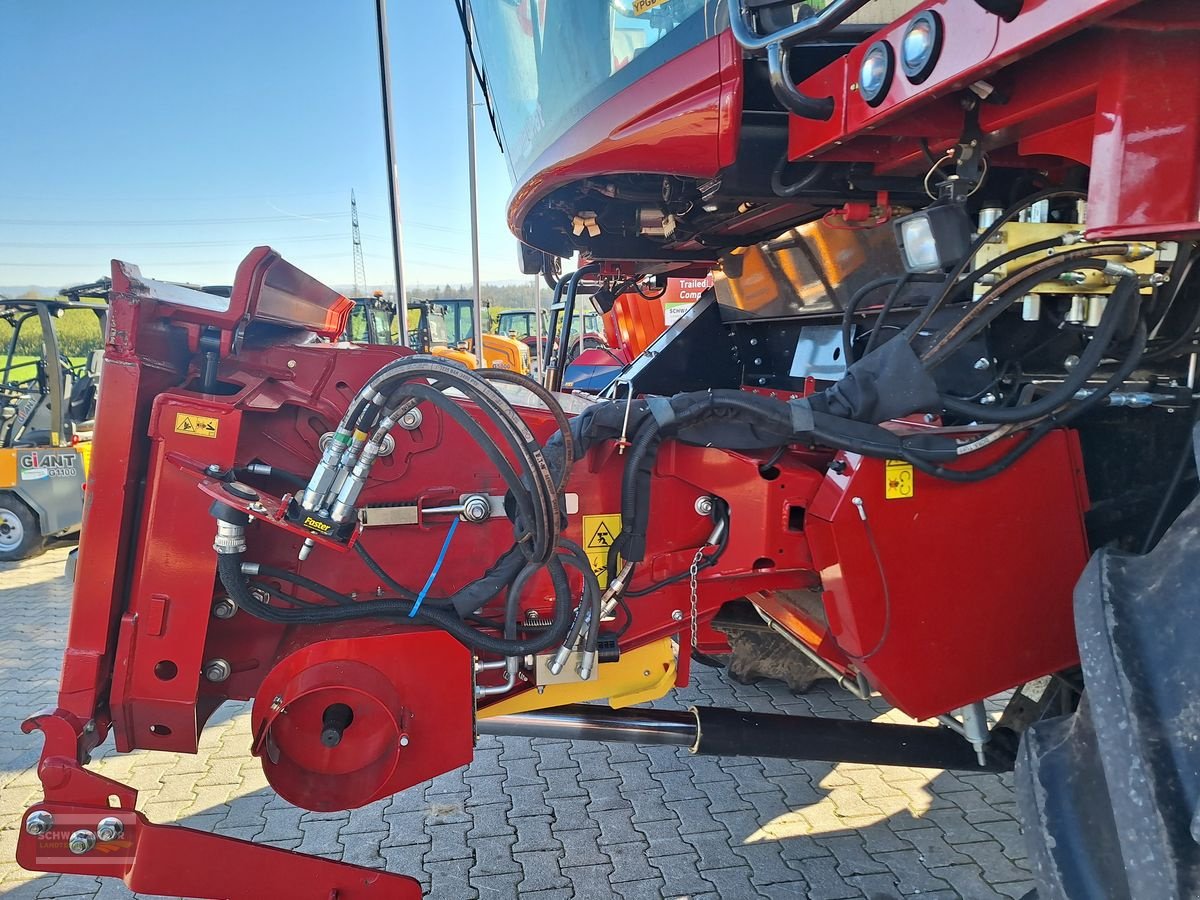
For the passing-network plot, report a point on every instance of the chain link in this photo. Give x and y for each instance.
(693, 572)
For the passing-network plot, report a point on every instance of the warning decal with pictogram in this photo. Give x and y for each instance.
(199, 426)
(599, 532)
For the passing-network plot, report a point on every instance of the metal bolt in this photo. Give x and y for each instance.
(213, 470)
(645, 673)
(257, 507)
(758, 360)
(411, 420)
(982, 363)
(277, 702)
(217, 670)
(404, 740)
(677, 615)
(291, 364)
(477, 508)
(110, 829)
(753, 342)
(704, 506)
(81, 841)
(38, 823)
(987, 399)
(930, 418)
(224, 608)
(1070, 362)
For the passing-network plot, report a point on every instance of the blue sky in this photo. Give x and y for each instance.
(177, 135)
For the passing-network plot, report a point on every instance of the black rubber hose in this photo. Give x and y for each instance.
(300, 581)
(989, 307)
(484, 441)
(551, 404)
(791, 189)
(922, 319)
(229, 570)
(1090, 360)
(1181, 465)
(881, 316)
(1057, 420)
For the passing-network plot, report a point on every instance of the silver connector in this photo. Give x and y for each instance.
(560, 659)
(230, 538)
(484, 690)
(587, 662)
(608, 600)
(305, 549)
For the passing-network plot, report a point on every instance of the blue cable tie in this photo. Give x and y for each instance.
(436, 567)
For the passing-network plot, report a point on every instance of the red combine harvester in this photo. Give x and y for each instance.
(949, 357)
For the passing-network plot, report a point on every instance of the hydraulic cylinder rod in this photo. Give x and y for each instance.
(725, 732)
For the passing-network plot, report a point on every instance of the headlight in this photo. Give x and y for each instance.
(921, 46)
(875, 72)
(934, 238)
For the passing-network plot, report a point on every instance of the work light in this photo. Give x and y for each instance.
(934, 238)
(875, 73)
(921, 46)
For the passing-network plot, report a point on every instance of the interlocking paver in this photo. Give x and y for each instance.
(555, 819)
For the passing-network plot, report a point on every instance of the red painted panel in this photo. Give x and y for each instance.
(958, 591)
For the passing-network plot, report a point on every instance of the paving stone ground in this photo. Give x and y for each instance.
(551, 820)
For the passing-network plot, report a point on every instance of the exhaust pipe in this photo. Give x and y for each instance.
(706, 731)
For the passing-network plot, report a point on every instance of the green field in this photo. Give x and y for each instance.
(78, 333)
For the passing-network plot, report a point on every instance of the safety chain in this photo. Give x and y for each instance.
(693, 572)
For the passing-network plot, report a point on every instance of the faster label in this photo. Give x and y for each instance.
(198, 426)
(898, 484)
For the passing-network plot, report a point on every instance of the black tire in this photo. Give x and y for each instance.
(20, 533)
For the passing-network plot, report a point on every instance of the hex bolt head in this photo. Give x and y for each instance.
(677, 615)
(82, 841)
(982, 363)
(217, 670)
(110, 829)
(411, 420)
(704, 506)
(224, 608)
(38, 823)
(476, 508)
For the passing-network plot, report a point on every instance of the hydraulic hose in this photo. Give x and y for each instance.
(1090, 360)
(922, 319)
(1055, 420)
(229, 570)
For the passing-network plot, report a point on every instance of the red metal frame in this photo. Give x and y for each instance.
(1112, 84)
(1122, 98)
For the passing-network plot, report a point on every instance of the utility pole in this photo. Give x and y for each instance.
(477, 304)
(360, 269)
(385, 78)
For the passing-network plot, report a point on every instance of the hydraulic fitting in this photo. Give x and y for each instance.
(313, 497)
(587, 662)
(231, 528)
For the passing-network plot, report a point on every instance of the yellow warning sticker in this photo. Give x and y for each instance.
(644, 6)
(599, 532)
(898, 484)
(199, 426)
